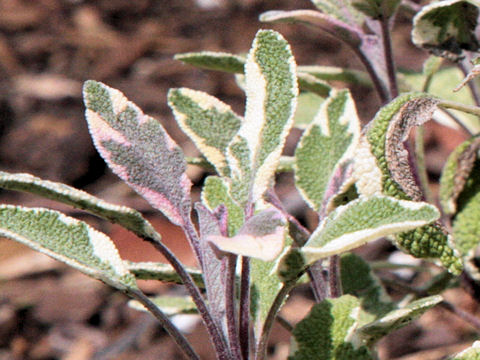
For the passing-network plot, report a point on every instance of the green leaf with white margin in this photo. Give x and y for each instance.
(396, 319)
(359, 280)
(447, 27)
(210, 123)
(333, 73)
(138, 149)
(325, 146)
(307, 107)
(68, 240)
(365, 219)
(169, 305)
(342, 10)
(471, 353)
(211, 60)
(162, 272)
(129, 218)
(382, 167)
(327, 332)
(271, 88)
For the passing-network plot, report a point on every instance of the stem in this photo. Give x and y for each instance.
(462, 314)
(335, 283)
(377, 82)
(232, 326)
(471, 84)
(469, 109)
(285, 163)
(244, 328)
(390, 62)
(216, 336)
(284, 323)
(177, 336)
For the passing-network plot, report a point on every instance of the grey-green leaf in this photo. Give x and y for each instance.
(214, 61)
(169, 305)
(68, 240)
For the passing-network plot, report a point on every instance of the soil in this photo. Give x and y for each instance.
(48, 48)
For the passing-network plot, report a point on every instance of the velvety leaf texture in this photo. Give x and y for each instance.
(127, 217)
(324, 333)
(328, 142)
(342, 10)
(138, 150)
(214, 61)
(271, 89)
(161, 272)
(210, 123)
(68, 240)
(170, 305)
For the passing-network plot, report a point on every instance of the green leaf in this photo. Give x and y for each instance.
(307, 107)
(313, 84)
(138, 150)
(472, 353)
(271, 89)
(382, 166)
(325, 146)
(358, 280)
(210, 123)
(333, 73)
(169, 305)
(377, 9)
(363, 220)
(342, 10)
(326, 332)
(397, 319)
(127, 217)
(447, 27)
(161, 272)
(214, 61)
(68, 240)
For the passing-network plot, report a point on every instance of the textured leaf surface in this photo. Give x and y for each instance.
(342, 10)
(161, 272)
(127, 217)
(271, 88)
(138, 150)
(210, 123)
(214, 61)
(261, 237)
(364, 220)
(333, 73)
(397, 318)
(308, 106)
(447, 27)
(472, 353)
(382, 166)
(326, 332)
(326, 144)
(170, 305)
(376, 9)
(68, 240)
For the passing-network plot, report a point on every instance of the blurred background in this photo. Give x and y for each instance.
(48, 48)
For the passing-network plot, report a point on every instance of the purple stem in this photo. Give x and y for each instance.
(471, 84)
(334, 277)
(244, 328)
(389, 60)
(232, 325)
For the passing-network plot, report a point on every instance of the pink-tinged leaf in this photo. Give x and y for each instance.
(138, 149)
(261, 237)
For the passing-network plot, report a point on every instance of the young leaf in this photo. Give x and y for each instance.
(447, 27)
(138, 150)
(271, 87)
(382, 166)
(326, 332)
(127, 217)
(471, 353)
(68, 240)
(326, 145)
(161, 272)
(210, 123)
(261, 237)
(363, 220)
(396, 319)
(214, 61)
(170, 305)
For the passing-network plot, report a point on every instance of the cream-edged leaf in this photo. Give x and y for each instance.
(162, 272)
(471, 353)
(169, 305)
(68, 240)
(138, 149)
(210, 123)
(125, 216)
(211, 60)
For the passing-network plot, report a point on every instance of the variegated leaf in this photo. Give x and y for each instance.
(363, 220)
(210, 123)
(161, 272)
(169, 305)
(447, 27)
(214, 61)
(68, 240)
(326, 332)
(308, 105)
(138, 150)
(382, 167)
(261, 237)
(333, 73)
(376, 9)
(396, 319)
(325, 146)
(127, 217)
(342, 10)
(472, 353)
(271, 89)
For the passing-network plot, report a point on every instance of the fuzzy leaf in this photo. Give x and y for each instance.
(363, 220)
(271, 88)
(471, 353)
(325, 146)
(397, 319)
(210, 123)
(68, 240)
(447, 27)
(170, 305)
(342, 10)
(382, 166)
(376, 9)
(127, 217)
(308, 105)
(138, 150)
(161, 272)
(313, 84)
(325, 333)
(214, 61)
(261, 237)
(333, 73)
(358, 280)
